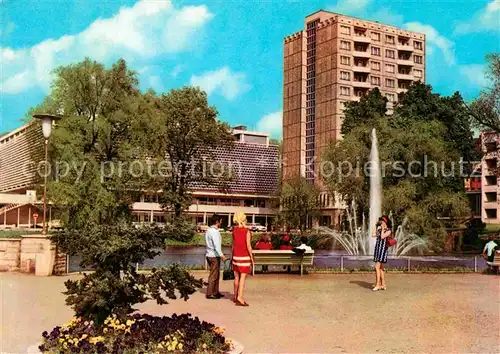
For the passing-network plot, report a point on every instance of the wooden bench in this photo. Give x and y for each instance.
(496, 262)
(279, 257)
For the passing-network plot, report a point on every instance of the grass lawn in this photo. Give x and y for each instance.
(492, 228)
(18, 233)
(199, 240)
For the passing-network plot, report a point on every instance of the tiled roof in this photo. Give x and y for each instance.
(255, 166)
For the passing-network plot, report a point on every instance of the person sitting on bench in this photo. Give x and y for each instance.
(265, 244)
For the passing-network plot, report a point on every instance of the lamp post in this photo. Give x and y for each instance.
(47, 120)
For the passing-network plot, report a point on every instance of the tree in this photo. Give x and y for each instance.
(299, 202)
(485, 110)
(186, 132)
(371, 107)
(102, 110)
(420, 132)
(113, 251)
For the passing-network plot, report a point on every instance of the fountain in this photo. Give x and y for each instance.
(375, 190)
(358, 240)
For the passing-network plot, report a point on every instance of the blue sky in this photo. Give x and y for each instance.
(232, 49)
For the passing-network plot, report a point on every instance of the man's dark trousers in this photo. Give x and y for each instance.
(213, 278)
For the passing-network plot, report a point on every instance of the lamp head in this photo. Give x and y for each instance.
(47, 120)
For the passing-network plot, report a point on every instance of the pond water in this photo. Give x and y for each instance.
(195, 256)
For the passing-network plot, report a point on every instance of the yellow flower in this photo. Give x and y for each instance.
(160, 346)
(61, 340)
(130, 322)
(85, 335)
(180, 346)
(95, 340)
(204, 346)
(169, 348)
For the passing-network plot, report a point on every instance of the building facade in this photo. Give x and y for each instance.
(333, 60)
(490, 178)
(253, 160)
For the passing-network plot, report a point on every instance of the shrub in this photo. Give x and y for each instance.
(136, 334)
(115, 286)
(180, 229)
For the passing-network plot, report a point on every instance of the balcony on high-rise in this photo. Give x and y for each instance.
(360, 36)
(404, 73)
(361, 80)
(404, 45)
(361, 50)
(361, 66)
(404, 59)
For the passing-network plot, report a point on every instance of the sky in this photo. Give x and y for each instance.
(231, 49)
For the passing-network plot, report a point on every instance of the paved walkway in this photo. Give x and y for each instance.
(317, 313)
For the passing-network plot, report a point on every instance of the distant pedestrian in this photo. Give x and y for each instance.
(490, 249)
(382, 231)
(214, 255)
(242, 256)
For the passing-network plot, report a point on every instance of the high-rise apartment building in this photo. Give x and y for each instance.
(336, 59)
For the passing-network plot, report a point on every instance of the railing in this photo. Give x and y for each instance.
(194, 257)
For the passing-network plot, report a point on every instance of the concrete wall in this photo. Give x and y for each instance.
(22, 254)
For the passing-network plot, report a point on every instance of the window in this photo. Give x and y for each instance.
(389, 68)
(345, 91)
(376, 36)
(390, 97)
(345, 75)
(389, 83)
(345, 30)
(389, 39)
(389, 54)
(376, 80)
(418, 59)
(417, 73)
(376, 65)
(345, 60)
(345, 45)
(418, 45)
(376, 51)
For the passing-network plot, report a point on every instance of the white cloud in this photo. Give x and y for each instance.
(17, 83)
(223, 81)
(156, 83)
(433, 38)
(350, 7)
(140, 32)
(271, 123)
(475, 74)
(177, 70)
(486, 19)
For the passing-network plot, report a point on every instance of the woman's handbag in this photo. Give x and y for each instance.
(228, 273)
(391, 241)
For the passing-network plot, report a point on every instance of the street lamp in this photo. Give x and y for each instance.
(47, 120)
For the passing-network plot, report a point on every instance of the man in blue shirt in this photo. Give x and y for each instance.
(214, 255)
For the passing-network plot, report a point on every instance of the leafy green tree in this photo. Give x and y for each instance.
(299, 201)
(419, 160)
(485, 110)
(186, 132)
(95, 141)
(366, 111)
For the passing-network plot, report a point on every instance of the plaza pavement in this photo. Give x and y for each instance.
(316, 313)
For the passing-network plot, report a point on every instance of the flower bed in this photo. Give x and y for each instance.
(138, 333)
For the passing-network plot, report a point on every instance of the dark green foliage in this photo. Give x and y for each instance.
(485, 110)
(114, 287)
(299, 202)
(366, 111)
(181, 229)
(424, 128)
(185, 131)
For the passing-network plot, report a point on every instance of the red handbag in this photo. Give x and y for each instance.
(391, 241)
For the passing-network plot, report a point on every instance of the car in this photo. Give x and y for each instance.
(202, 227)
(256, 227)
